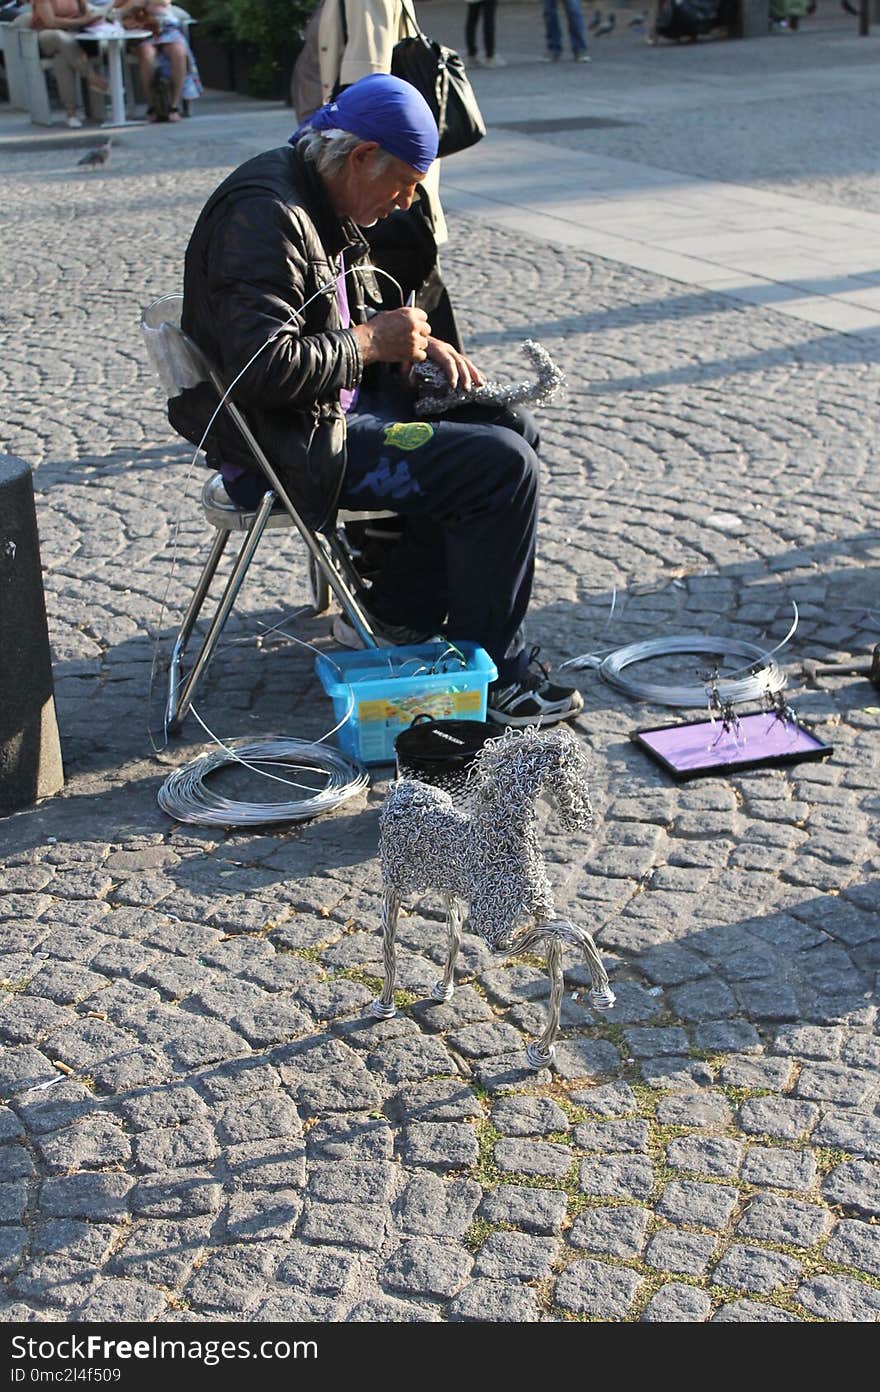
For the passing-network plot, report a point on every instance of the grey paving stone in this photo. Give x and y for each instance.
(831, 1082)
(325, 1270)
(778, 1168)
(677, 1303)
(361, 1226)
(709, 999)
(617, 1177)
(855, 1244)
(727, 1036)
(241, 1077)
(747, 1072)
(185, 1196)
(593, 1288)
(15, 1162)
(492, 1301)
(788, 1222)
(162, 1107)
(10, 1126)
(352, 1181)
(13, 1242)
(465, 1008)
(13, 1201)
(606, 1100)
(840, 1298)
(782, 1117)
(402, 1060)
(706, 1109)
(340, 1089)
(387, 1311)
(427, 1266)
(585, 1058)
(118, 1298)
(612, 1136)
(347, 1138)
(508, 1256)
(855, 1184)
(260, 1118)
(435, 1207)
(95, 1196)
(443, 1145)
(257, 1214)
(617, 1231)
(161, 1252)
(753, 1312)
(528, 1116)
(232, 1279)
(809, 1041)
(272, 1164)
(93, 1144)
(650, 1043)
(530, 1157)
(708, 1155)
(687, 1253)
(846, 1130)
(755, 1269)
(534, 1210)
(698, 1205)
(862, 1051)
(434, 1100)
(674, 1074)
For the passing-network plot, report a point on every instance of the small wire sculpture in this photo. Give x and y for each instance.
(482, 852)
(434, 394)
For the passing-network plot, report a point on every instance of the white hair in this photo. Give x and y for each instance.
(329, 149)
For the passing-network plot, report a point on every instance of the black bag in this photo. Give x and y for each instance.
(439, 74)
(686, 19)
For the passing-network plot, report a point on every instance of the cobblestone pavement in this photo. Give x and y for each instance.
(227, 1134)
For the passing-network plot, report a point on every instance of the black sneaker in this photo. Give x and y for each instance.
(534, 699)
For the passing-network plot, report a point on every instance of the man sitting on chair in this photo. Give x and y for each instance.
(273, 289)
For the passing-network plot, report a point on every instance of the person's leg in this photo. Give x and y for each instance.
(176, 52)
(68, 61)
(488, 7)
(576, 29)
(552, 28)
(470, 27)
(471, 491)
(147, 66)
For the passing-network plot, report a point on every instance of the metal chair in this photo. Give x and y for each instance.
(180, 364)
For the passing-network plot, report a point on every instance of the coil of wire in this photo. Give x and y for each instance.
(186, 796)
(763, 675)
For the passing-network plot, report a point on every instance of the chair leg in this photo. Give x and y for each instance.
(384, 1007)
(175, 669)
(180, 699)
(444, 988)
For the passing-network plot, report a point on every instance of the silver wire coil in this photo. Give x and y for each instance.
(764, 676)
(185, 795)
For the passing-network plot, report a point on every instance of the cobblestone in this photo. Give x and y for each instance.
(245, 1141)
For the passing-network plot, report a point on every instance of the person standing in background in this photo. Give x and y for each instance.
(576, 30)
(486, 9)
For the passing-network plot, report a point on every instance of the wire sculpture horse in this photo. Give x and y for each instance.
(483, 851)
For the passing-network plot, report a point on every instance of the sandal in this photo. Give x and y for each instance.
(173, 114)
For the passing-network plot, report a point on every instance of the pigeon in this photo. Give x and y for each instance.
(607, 26)
(98, 155)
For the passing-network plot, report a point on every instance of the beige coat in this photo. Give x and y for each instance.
(374, 27)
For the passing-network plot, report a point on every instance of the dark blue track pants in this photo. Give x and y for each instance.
(467, 487)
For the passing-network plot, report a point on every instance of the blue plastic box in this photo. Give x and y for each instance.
(387, 688)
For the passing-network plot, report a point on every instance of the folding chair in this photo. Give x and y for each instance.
(180, 364)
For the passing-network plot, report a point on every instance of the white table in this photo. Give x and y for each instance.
(112, 38)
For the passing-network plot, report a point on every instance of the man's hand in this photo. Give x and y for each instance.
(458, 370)
(394, 336)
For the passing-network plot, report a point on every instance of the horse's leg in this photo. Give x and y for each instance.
(384, 1007)
(444, 988)
(542, 1052)
(601, 995)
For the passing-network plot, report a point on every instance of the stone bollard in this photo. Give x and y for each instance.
(30, 752)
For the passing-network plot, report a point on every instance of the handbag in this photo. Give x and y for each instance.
(439, 74)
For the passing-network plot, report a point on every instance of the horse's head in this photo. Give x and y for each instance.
(568, 778)
(515, 768)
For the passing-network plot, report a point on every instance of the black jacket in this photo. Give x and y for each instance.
(268, 240)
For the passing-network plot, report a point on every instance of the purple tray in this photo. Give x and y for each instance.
(702, 748)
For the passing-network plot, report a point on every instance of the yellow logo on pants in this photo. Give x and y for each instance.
(408, 435)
